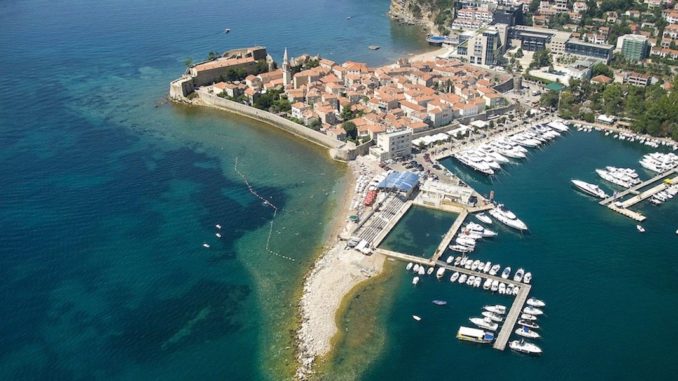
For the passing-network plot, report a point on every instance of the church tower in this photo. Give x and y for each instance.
(287, 75)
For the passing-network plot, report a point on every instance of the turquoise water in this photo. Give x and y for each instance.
(610, 291)
(108, 192)
(419, 232)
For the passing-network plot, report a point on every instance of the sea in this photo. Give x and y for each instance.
(109, 193)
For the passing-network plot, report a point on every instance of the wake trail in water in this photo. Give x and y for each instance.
(266, 203)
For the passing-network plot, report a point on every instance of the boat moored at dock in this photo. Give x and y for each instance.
(590, 189)
(475, 335)
(523, 346)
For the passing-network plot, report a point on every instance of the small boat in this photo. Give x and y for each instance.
(422, 270)
(528, 317)
(227, 30)
(462, 278)
(526, 332)
(374, 47)
(475, 335)
(415, 280)
(533, 310)
(495, 286)
(430, 270)
(218, 235)
(348, 17)
(518, 277)
(525, 347)
(449, 259)
(494, 269)
(505, 274)
(458, 260)
(492, 316)
(535, 302)
(409, 266)
(205, 245)
(515, 290)
(218, 226)
(484, 323)
(461, 248)
(482, 217)
(497, 309)
(440, 272)
(640, 228)
(487, 284)
(530, 324)
(416, 268)
(415, 317)
(439, 302)
(470, 280)
(454, 277)
(487, 267)
(476, 283)
(475, 264)
(527, 278)
(502, 288)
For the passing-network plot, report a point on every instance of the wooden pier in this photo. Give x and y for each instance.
(450, 235)
(512, 318)
(647, 194)
(636, 188)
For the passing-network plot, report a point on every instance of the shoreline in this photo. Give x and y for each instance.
(333, 276)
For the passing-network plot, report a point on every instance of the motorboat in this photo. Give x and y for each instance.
(485, 323)
(454, 277)
(494, 269)
(502, 288)
(461, 248)
(482, 217)
(523, 346)
(507, 218)
(505, 274)
(487, 267)
(415, 317)
(497, 309)
(458, 260)
(526, 332)
(415, 280)
(529, 324)
(516, 289)
(440, 272)
(218, 235)
(487, 233)
(487, 284)
(439, 302)
(430, 270)
(475, 265)
(610, 178)
(475, 335)
(590, 189)
(416, 268)
(468, 265)
(422, 270)
(640, 228)
(475, 227)
(527, 278)
(205, 245)
(495, 286)
(218, 226)
(449, 259)
(528, 317)
(465, 241)
(493, 316)
(477, 281)
(470, 280)
(409, 266)
(535, 302)
(533, 310)
(509, 289)
(462, 278)
(518, 277)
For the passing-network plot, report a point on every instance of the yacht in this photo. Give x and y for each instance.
(422, 270)
(458, 260)
(218, 235)
(475, 265)
(507, 218)
(590, 189)
(439, 302)
(468, 265)
(640, 228)
(505, 274)
(493, 316)
(528, 317)
(409, 266)
(487, 284)
(218, 226)
(470, 280)
(440, 272)
(476, 283)
(525, 347)
(518, 277)
(487, 233)
(461, 248)
(526, 332)
(497, 308)
(449, 259)
(205, 245)
(454, 277)
(516, 289)
(530, 324)
(607, 176)
(533, 310)
(462, 278)
(430, 270)
(535, 302)
(487, 267)
(495, 286)
(485, 323)
(416, 268)
(464, 241)
(527, 278)
(495, 269)
(415, 280)
(475, 335)
(415, 317)
(482, 217)
(502, 288)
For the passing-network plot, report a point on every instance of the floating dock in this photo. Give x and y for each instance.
(450, 235)
(636, 188)
(623, 208)
(512, 317)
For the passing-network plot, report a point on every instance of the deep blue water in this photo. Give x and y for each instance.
(610, 291)
(108, 192)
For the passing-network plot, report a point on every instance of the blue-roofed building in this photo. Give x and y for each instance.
(404, 182)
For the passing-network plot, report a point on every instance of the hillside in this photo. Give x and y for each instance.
(434, 15)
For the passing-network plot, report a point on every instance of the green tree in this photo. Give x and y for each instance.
(601, 68)
(519, 53)
(534, 5)
(351, 130)
(315, 124)
(612, 99)
(541, 58)
(212, 55)
(549, 99)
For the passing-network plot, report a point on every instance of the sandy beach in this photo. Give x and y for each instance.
(333, 276)
(429, 56)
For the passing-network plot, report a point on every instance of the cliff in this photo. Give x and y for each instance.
(434, 15)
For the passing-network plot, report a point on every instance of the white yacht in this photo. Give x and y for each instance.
(415, 280)
(607, 176)
(493, 316)
(461, 248)
(494, 286)
(454, 277)
(640, 228)
(205, 245)
(507, 218)
(497, 308)
(485, 323)
(465, 241)
(487, 284)
(526, 332)
(502, 288)
(505, 274)
(525, 347)
(409, 266)
(462, 278)
(475, 335)
(477, 282)
(529, 324)
(516, 289)
(440, 272)
(533, 311)
(495, 269)
(518, 277)
(416, 268)
(487, 267)
(528, 317)
(458, 260)
(535, 302)
(449, 259)
(218, 235)
(590, 189)
(527, 278)
(482, 217)
(422, 270)
(430, 270)
(470, 280)
(475, 265)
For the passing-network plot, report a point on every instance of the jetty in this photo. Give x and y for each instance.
(623, 207)
(634, 189)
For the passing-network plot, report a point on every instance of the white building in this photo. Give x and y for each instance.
(438, 193)
(392, 144)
